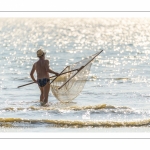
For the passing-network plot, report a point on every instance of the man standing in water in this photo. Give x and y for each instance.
(42, 69)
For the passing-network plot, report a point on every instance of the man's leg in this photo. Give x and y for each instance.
(46, 92)
(42, 94)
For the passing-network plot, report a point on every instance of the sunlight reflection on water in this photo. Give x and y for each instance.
(119, 76)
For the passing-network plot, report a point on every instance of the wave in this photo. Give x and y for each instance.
(65, 107)
(10, 122)
(121, 78)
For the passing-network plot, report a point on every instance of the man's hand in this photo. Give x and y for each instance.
(57, 74)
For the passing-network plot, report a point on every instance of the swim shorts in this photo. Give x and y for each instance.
(42, 82)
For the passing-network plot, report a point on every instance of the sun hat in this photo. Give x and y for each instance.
(40, 53)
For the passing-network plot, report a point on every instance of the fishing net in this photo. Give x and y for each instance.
(67, 86)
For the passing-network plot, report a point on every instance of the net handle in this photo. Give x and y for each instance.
(50, 77)
(63, 73)
(80, 69)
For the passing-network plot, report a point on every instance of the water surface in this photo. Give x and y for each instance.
(116, 95)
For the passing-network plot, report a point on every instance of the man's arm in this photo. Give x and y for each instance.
(32, 72)
(49, 70)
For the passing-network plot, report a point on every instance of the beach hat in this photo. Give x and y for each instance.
(40, 53)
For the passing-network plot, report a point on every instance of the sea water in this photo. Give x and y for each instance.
(116, 96)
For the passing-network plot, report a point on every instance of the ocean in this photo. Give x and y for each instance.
(116, 96)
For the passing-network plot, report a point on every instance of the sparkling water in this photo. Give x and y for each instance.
(116, 94)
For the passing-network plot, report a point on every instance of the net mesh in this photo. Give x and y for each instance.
(67, 87)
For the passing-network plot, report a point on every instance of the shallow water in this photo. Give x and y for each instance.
(116, 95)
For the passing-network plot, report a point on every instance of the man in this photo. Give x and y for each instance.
(42, 70)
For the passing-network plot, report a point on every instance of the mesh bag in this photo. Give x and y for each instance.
(67, 86)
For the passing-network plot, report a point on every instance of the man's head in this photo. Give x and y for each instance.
(40, 53)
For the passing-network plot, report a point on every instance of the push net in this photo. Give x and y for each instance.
(67, 86)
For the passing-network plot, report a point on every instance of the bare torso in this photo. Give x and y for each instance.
(40, 67)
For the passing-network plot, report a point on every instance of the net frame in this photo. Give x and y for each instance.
(72, 79)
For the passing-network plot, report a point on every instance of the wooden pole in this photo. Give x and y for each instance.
(49, 77)
(80, 69)
(56, 77)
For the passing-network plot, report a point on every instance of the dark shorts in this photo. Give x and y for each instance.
(42, 82)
